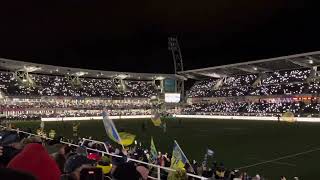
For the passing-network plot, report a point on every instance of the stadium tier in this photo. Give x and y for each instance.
(255, 89)
(268, 87)
(47, 85)
(261, 89)
(275, 83)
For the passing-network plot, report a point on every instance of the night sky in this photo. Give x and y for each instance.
(132, 35)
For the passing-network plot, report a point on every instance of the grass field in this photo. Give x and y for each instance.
(236, 143)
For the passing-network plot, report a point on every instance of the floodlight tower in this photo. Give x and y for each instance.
(173, 46)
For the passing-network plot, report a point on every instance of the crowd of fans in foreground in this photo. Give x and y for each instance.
(33, 158)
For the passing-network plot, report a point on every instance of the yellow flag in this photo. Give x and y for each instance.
(156, 120)
(126, 138)
(178, 159)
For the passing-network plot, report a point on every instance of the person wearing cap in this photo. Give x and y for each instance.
(76, 161)
(74, 165)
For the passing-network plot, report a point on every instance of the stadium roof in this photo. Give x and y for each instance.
(297, 61)
(13, 65)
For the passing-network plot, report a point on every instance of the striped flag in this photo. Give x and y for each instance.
(110, 128)
(178, 159)
(153, 152)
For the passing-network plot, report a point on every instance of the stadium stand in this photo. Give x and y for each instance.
(267, 87)
(275, 83)
(64, 159)
(252, 89)
(47, 85)
(54, 95)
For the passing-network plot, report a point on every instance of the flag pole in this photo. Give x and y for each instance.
(184, 155)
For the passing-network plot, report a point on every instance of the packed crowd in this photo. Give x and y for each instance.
(202, 88)
(253, 108)
(73, 105)
(47, 85)
(35, 110)
(242, 80)
(56, 161)
(276, 83)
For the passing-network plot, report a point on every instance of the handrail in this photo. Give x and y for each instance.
(114, 155)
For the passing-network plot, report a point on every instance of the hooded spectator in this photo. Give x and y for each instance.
(35, 160)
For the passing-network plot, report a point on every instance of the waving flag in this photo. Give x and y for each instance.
(156, 120)
(178, 159)
(153, 152)
(126, 138)
(110, 128)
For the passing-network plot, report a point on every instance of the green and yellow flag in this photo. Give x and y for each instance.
(126, 138)
(52, 133)
(153, 152)
(156, 120)
(178, 159)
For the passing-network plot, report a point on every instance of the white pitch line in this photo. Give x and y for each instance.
(277, 159)
(277, 162)
(284, 163)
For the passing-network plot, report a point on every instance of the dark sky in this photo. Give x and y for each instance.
(132, 35)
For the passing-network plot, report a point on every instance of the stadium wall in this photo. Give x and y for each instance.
(94, 118)
(253, 118)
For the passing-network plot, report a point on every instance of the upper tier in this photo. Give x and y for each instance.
(276, 83)
(51, 85)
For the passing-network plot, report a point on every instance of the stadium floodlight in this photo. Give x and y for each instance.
(310, 61)
(255, 68)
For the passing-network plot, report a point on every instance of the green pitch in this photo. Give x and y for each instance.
(236, 143)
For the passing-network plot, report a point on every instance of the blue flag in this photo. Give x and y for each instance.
(178, 159)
